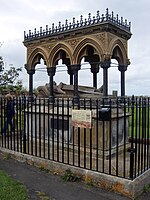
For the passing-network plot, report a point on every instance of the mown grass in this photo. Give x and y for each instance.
(11, 189)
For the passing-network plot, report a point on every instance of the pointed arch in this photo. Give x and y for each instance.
(36, 56)
(97, 45)
(119, 52)
(60, 47)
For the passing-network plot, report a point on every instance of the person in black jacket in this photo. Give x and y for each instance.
(9, 114)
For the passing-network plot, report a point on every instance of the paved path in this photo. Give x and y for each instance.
(41, 183)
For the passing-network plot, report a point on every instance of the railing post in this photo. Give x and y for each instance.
(144, 118)
(131, 149)
(24, 125)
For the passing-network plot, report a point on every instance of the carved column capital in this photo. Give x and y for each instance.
(70, 70)
(105, 64)
(75, 67)
(51, 71)
(122, 68)
(30, 71)
(94, 67)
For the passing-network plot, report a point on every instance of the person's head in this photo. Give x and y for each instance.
(8, 97)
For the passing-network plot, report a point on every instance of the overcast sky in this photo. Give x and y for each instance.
(17, 16)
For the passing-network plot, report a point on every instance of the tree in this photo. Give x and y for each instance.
(1, 66)
(9, 78)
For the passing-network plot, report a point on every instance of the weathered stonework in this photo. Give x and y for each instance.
(129, 188)
(75, 39)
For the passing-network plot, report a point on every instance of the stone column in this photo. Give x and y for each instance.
(94, 70)
(70, 72)
(94, 62)
(122, 69)
(51, 72)
(105, 65)
(31, 72)
(66, 61)
(75, 69)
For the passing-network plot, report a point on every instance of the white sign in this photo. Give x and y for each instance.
(82, 118)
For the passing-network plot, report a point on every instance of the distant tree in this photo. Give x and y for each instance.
(9, 78)
(1, 65)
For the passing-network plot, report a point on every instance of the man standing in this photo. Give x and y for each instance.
(9, 112)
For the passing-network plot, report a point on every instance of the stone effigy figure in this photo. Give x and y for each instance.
(44, 91)
(57, 89)
(65, 90)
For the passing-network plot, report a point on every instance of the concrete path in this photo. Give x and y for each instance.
(42, 185)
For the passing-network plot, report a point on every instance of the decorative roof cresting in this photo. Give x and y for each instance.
(77, 24)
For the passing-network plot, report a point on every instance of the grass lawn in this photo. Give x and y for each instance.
(139, 122)
(11, 189)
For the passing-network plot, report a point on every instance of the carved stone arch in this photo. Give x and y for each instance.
(61, 47)
(119, 52)
(95, 39)
(78, 53)
(36, 56)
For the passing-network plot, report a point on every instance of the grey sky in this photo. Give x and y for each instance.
(17, 16)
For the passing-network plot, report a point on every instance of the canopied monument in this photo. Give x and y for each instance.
(97, 39)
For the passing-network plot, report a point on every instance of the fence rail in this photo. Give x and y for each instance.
(110, 136)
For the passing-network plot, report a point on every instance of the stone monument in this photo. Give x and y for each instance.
(66, 91)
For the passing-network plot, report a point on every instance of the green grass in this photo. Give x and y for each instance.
(11, 189)
(69, 176)
(146, 188)
(139, 122)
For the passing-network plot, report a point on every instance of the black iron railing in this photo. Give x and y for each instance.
(67, 26)
(110, 136)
